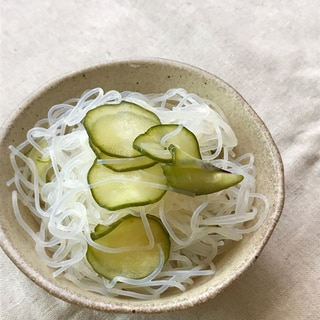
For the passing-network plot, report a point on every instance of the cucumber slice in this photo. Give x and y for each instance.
(112, 128)
(40, 162)
(117, 190)
(155, 141)
(136, 263)
(196, 175)
(123, 164)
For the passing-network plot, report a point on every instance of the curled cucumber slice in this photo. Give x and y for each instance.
(117, 190)
(113, 128)
(196, 175)
(134, 262)
(122, 164)
(155, 141)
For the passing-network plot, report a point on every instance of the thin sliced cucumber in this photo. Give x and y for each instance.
(196, 175)
(136, 263)
(112, 128)
(117, 190)
(41, 163)
(123, 164)
(155, 141)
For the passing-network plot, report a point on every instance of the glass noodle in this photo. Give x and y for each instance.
(200, 227)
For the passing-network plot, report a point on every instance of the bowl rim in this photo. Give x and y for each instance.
(137, 306)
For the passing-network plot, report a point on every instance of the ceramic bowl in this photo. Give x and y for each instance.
(146, 76)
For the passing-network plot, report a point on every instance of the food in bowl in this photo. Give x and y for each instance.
(86, 190)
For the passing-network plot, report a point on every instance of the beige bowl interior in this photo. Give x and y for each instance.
(146, 76)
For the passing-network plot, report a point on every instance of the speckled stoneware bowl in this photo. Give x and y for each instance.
(146, 76)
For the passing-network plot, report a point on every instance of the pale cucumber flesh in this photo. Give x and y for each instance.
(155, 141)
(197, 176)
(135, 262)
(113, 128)
(117, 190)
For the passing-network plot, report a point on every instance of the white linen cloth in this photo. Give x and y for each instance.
(268, 50)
